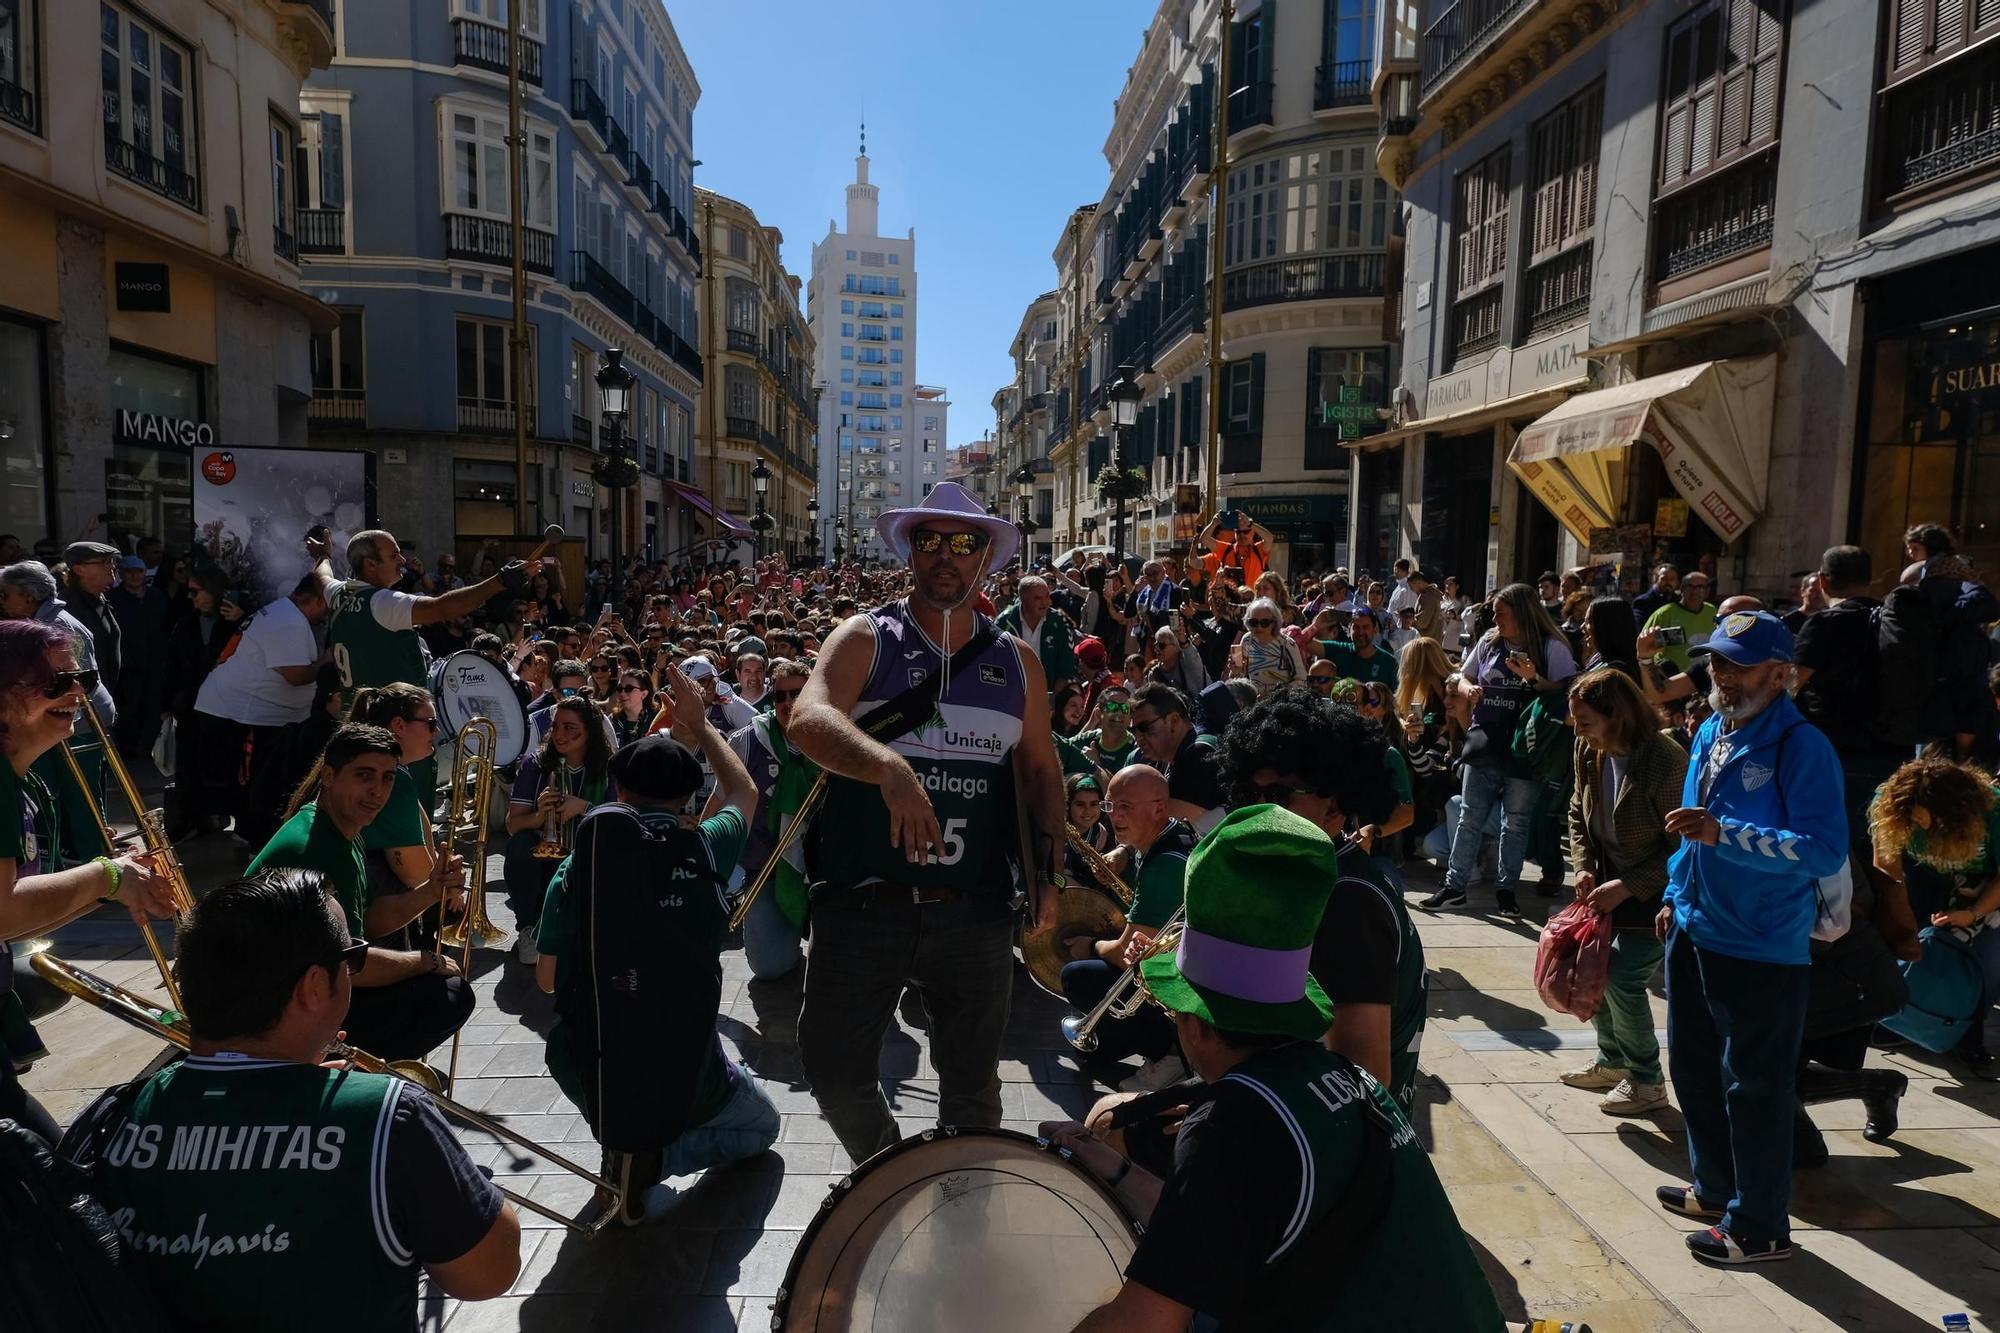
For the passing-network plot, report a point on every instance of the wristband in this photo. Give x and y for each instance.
(114, 870)
(1124, 1170)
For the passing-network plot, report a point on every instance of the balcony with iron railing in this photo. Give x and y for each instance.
(284, 244)
(155, 174)
(322, 231)
(1250, 105)
(490, 416)
(476, 239)
(586, 107)
(741, 428)
(1940, 125)
(1556, 291)
(1460, 32)
(484, 46)
(1475, 323)
(330, 406)
(1352, 276)
(1719, 217)
(594, 280)
(742, 340)
(18, 107)
(1343, 83)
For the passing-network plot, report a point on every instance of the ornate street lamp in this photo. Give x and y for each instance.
(615, 471)
(1120, 485)
(812, 527)
(760, 522)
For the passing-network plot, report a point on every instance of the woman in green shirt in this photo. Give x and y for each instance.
(42, 694)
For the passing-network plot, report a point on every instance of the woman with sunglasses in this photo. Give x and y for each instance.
(1270, 660)
(41, 697)
(559, 782)
(632, 707)
(1375, 702)
(404, 875)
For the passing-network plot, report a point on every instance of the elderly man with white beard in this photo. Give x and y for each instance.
(1762, 821)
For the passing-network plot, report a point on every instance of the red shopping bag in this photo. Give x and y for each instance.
(1573, 961)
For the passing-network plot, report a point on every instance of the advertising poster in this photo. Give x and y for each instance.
(252, 508)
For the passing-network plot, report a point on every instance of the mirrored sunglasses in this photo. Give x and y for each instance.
(926, 542)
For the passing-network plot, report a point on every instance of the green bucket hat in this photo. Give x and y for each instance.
(1257, 886)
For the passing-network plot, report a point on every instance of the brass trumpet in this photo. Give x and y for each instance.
(1128, 994)
(172, 1027)
(152, 825)
(554, 845)
(465, 818)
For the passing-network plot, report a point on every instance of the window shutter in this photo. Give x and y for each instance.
(1498, 210)
(1906, 40)
(1194, 415)
(1589, 122)
(332, 164)
(1674, 143)
(1949, 32)
(1256, 392)
(1267, 45)
(1985, 13)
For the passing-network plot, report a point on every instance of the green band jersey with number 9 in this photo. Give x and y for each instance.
(365, 651)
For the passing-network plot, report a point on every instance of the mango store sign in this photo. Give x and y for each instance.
(153, 428)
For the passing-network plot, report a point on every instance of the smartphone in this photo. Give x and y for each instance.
(1672, 635)
(1516, 655)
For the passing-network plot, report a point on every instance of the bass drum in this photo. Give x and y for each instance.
(963, 1229)
(466, 685)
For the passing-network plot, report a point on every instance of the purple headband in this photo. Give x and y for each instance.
(1243, 971)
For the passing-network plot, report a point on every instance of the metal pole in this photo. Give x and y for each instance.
(1076, 355)
(711, 358)
(1217, 240)
(518, 337)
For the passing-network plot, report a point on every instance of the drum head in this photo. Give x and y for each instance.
(968, 1230)
(466, 686)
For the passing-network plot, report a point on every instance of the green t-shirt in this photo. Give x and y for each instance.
(1399, 775)
(1698, 624)
(1072, 757)
(26, 837)
(1162, 883)
(1115, 757)
(1380, 665)
(307, 842)
(402, 822)
(1954, 887)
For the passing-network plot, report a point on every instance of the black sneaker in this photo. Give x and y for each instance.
(1681, 1200)
(1445, 899)
(1505, 903)
(1717, 1246)
(1888, 1089)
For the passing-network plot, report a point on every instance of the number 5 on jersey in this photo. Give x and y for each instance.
(954, 845)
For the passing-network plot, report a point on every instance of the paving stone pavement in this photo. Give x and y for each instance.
(1556, 1197)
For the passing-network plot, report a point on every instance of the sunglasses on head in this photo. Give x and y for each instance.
(64, 681)
(924, 541)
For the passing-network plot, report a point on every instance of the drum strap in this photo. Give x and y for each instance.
(913, 707)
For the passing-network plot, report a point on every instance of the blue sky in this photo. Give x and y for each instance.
(986, 125)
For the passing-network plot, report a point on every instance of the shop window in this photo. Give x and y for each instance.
(485, 375)
(23, 432)
(1481, 229)
(149, 486)
(147, 84)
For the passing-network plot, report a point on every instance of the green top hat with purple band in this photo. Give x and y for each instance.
(1257, 886)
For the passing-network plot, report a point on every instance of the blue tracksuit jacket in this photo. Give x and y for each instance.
(1751, 895)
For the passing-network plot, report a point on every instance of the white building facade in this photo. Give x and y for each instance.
(877, 426)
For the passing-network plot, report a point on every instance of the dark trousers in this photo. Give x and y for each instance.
(866, 946)
(527, 877)
(1148, 1033)
(408, 1020)
(17, 1105)
(1733, 1033)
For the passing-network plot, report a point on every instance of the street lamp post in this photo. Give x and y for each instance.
(615, 472)
(812, 527)
(760, 522)
(1023, 478)
(1124, 393)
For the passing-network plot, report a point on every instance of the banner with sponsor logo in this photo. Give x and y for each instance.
(252, 508)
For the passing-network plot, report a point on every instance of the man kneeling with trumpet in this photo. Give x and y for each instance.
(253, 1186)
(631, 946)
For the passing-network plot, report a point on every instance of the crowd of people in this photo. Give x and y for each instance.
(889, 775)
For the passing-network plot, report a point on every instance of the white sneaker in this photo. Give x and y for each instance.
(1630, 1098)
(1155, 1074)
(525, 950)
(1595, 1076)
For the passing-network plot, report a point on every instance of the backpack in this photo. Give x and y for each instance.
(1908, 628)
(1947, 992)
(59, 1248)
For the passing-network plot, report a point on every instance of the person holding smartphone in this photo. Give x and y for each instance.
(1525, 654)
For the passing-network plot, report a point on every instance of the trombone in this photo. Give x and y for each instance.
(807, 807)
(152, 825)
(172, 1027)
(465, 818)
(1128, 994)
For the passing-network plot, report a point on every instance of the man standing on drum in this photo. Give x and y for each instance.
(908, 859)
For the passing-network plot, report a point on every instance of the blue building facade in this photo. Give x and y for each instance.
(400, 182)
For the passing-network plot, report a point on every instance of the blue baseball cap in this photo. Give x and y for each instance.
(1750, 638)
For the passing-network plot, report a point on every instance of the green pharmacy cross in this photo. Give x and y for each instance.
(1350, 413)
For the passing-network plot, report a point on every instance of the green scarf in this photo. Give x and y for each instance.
(795, 778)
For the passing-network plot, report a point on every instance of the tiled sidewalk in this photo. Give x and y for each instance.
(1556, 1196)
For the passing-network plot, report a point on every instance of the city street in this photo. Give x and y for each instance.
(1556, 1196)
